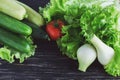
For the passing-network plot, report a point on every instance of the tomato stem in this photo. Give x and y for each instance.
(56, 24)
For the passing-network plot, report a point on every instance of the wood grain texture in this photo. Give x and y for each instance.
(49, 64)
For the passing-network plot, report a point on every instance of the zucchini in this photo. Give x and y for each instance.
(11, 8)
(33, 16)
(14, 41)
(14, 25)
(37, 32)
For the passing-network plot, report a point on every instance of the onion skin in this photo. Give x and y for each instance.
(86, 55)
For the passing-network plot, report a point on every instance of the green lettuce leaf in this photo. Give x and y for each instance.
(71, 41)
(10, 55)
(113, 68)
(54, 8)
(104, 23)
(83, 19)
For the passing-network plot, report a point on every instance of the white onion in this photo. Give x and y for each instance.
(86, 55)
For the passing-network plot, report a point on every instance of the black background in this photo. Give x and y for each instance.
(48, 63)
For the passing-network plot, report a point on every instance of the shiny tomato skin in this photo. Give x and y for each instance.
(53, 29)
(54, 33)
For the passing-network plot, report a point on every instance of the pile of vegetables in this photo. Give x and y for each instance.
(84, 30)
(18, 25)
(90, 29)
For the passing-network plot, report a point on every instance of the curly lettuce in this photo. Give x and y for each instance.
(71, 41)
(83, 19)
(10, 55)
(55, 8)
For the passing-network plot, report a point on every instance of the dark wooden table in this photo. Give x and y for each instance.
(49, 64)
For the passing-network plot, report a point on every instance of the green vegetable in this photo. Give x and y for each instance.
(14, 25)
(9, 54)
(33, 16)
(37, 32)
(55, 9)
(14, 41)
(113, 67)
(71, 41)
(15, 36)
(11, 8)
(105, 25)
(5, 54)
(84, 19)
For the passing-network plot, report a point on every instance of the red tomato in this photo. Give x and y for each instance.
(53, 29)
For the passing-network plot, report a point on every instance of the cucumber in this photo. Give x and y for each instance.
(37, 32)
(11, 8)
(33, 16)
(14, 25)
(14, 41)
